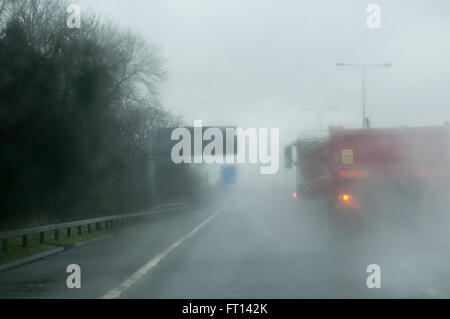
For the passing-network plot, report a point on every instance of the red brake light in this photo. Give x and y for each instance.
(345, 197)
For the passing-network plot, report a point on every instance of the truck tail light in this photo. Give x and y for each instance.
(345, 197)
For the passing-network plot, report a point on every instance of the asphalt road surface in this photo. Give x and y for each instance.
(247, 246)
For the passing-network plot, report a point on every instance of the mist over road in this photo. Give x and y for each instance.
(253, 245)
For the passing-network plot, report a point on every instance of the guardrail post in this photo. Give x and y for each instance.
(110, 223)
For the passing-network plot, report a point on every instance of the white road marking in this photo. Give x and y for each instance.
(435, 293)
(126, 284)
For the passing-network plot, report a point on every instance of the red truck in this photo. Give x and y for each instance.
(357, 168)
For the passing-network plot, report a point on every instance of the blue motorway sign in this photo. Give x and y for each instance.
(228, 174)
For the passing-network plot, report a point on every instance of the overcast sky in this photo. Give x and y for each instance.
(258, 62)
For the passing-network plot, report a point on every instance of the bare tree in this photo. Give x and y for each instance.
(77, 107)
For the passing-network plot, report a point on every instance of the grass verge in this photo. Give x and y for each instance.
(15, 249)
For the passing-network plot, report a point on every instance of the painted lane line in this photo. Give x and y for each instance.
(126, 284)
(435, 293)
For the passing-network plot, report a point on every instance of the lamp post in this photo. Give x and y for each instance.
(363, 68)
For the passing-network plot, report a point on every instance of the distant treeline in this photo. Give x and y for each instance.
(76, 109)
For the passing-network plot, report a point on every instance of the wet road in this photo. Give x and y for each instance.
(248, 246)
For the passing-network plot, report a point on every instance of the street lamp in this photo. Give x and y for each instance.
(319, 111)
(363, 68)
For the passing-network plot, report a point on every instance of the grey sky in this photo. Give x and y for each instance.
(256, 62)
